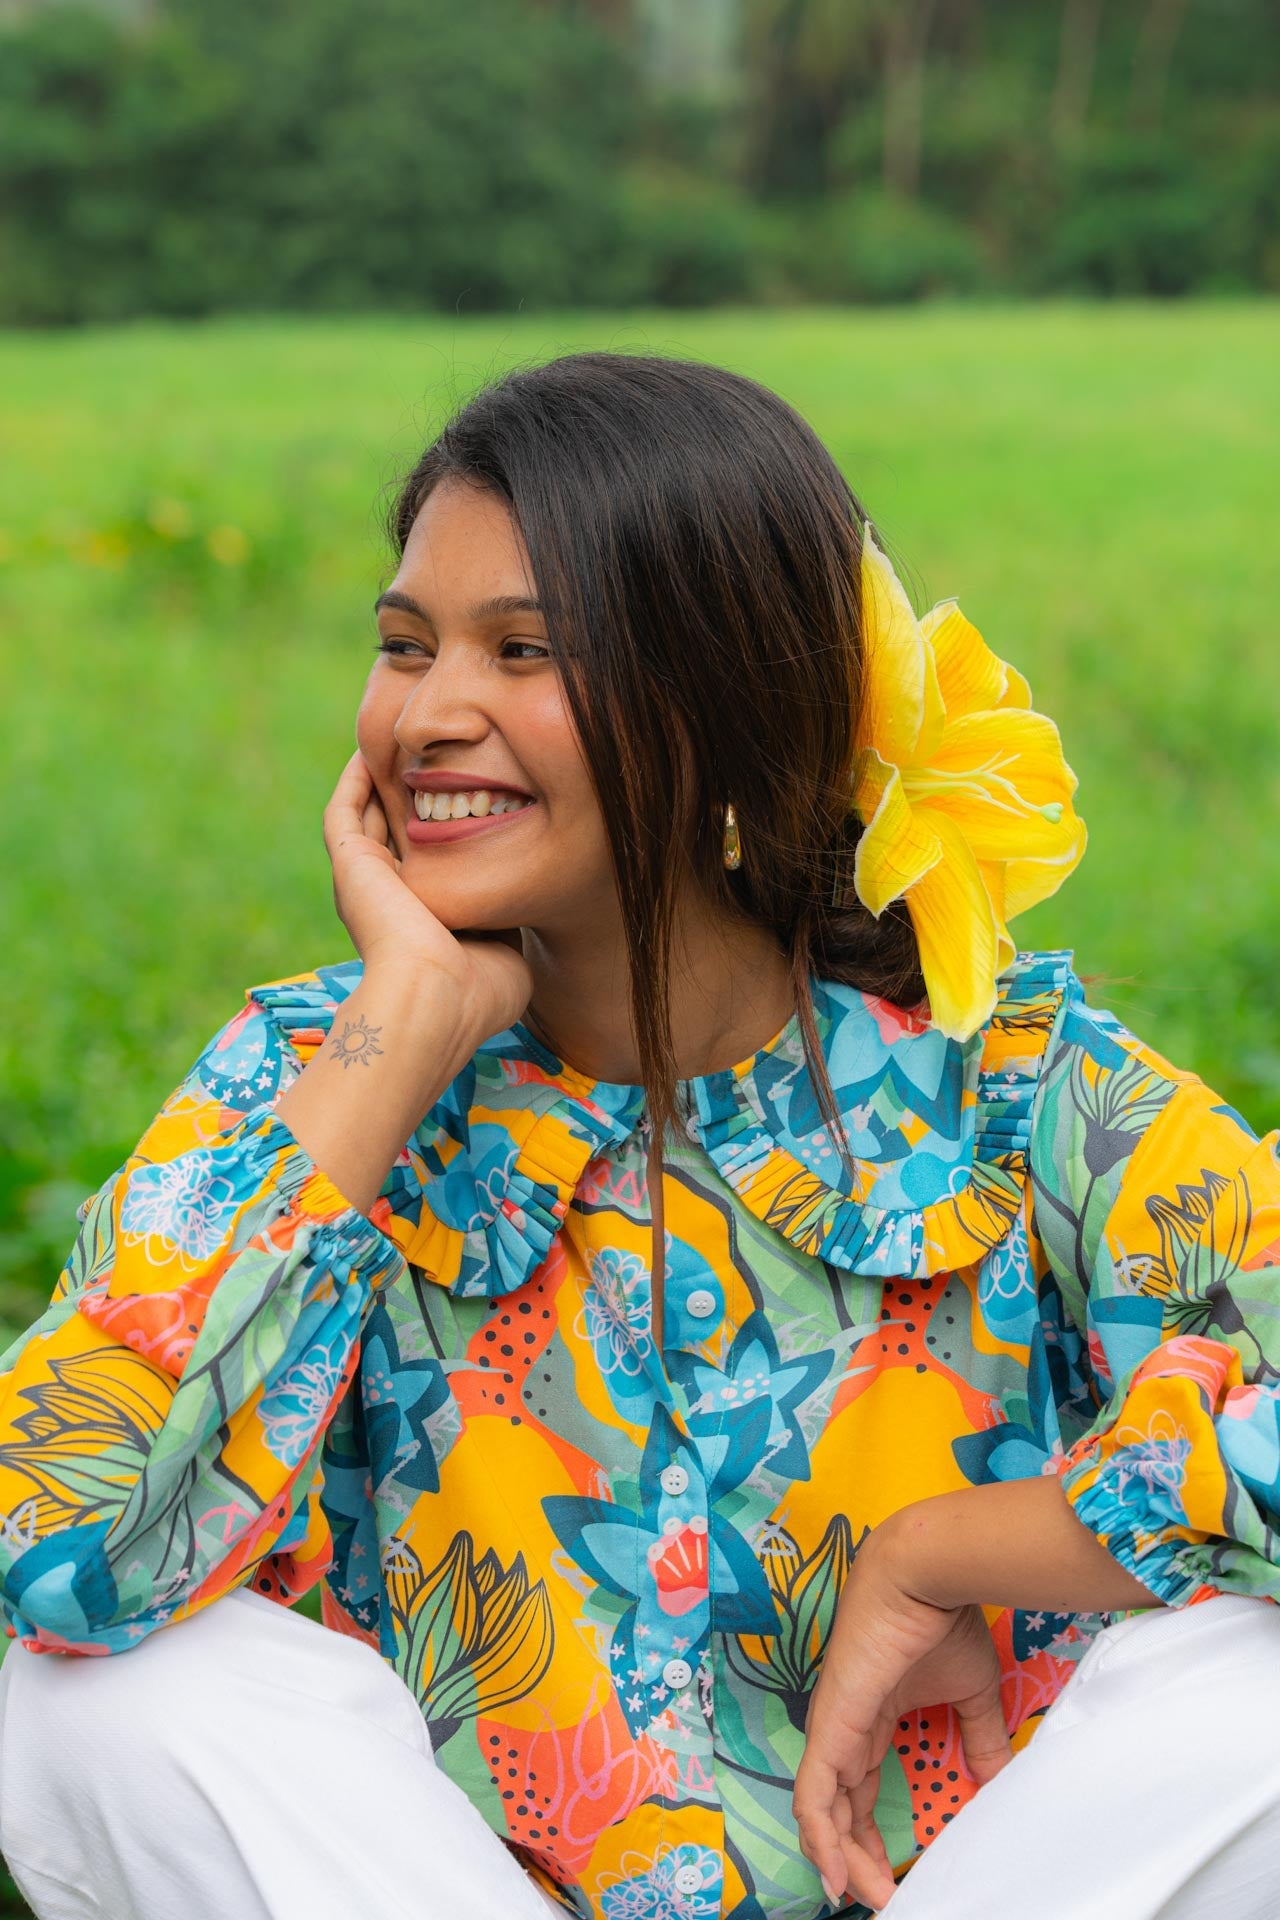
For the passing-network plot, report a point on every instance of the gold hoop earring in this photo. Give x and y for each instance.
(732, 844)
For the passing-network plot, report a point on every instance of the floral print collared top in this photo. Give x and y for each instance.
(607, 1572)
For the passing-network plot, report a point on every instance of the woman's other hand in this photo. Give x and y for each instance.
(392, 930)
(888, 1652)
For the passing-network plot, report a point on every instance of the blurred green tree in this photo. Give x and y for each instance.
(408, 153)
(182, 156)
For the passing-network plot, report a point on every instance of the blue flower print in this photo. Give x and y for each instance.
(183, 1205)
(617, 1318)
(676, 1560)
(684, 1883)
(467, 1191)
(725, 1405)
(1019, 1448)
(399, 1397)
(1007, 1293)
(292, 1412)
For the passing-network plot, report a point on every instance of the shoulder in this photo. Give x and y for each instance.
(938, 1129)
(1102, 1083)
(1126, 1146)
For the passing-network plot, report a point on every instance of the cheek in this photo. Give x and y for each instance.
(375, 737)
(375, 724)
(549, 739)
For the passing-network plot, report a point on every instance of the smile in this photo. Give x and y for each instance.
(430, 828)
(462, 806)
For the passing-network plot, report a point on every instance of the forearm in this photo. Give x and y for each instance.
(394, 1047)
(1012, 1544)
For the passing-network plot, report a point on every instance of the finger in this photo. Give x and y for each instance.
(872, 1877)
(374, 822)
(345, 811)
(814, 1804)
(867, 1878)
(984, 1736)
(863, 1830)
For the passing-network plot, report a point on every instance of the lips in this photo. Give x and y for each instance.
(448, 780)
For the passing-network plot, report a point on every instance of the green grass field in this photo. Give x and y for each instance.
(190, 545)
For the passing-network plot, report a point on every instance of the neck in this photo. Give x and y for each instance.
(729, 993)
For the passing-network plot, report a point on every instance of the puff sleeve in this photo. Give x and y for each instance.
(159, 1423)
(1158, 1211)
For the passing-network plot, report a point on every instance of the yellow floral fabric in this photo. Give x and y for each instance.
(607, 1571)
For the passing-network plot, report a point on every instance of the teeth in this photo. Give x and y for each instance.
(465, 806)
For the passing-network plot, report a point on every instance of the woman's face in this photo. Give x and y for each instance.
(465, 684)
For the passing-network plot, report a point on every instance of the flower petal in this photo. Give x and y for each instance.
(995, 880)
(1001, 778)
(901, 712)
(1017, 693)
(897, 847)
(958, 938)
(1028, 882)
(971, 677)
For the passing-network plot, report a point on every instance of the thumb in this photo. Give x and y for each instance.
(983, 1734)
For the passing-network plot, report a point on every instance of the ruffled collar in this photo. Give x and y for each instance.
(939, 1131)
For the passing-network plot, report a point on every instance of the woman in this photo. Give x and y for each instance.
(786, 1278)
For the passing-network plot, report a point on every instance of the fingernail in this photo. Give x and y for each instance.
(833, 1897)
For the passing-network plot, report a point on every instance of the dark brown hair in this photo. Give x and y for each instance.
(697, 553)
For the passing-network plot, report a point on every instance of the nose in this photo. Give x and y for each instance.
(446, 703)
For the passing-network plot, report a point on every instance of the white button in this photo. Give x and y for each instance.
(693, 1127)
(687, 1880)
(700, 1303)
(678, 1674)
(674, 1479)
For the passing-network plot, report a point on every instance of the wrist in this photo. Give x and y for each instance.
(906, 1555)
(1013, 1543)
(424, 1005)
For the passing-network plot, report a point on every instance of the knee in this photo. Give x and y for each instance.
(62, 1718)
(68, 1720)
(69, 1723)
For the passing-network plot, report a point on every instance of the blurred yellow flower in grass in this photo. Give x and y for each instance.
(228, 545)
(107, 549)
(171, 519)
(963, 791)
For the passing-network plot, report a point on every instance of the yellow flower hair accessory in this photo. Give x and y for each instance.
(963, 792)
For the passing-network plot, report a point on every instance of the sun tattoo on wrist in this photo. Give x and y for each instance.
(357, 1041)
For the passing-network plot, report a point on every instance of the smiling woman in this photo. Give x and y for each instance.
(422, 634)
(727, 1329)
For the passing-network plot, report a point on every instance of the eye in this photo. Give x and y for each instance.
(539, 651)
(398, 648)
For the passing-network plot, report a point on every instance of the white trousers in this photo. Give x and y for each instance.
(251, 1765)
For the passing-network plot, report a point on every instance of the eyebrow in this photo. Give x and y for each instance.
(501, 604)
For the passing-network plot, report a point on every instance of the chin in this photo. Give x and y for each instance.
(476, 909)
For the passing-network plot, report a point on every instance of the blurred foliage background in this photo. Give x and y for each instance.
(187, 157)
